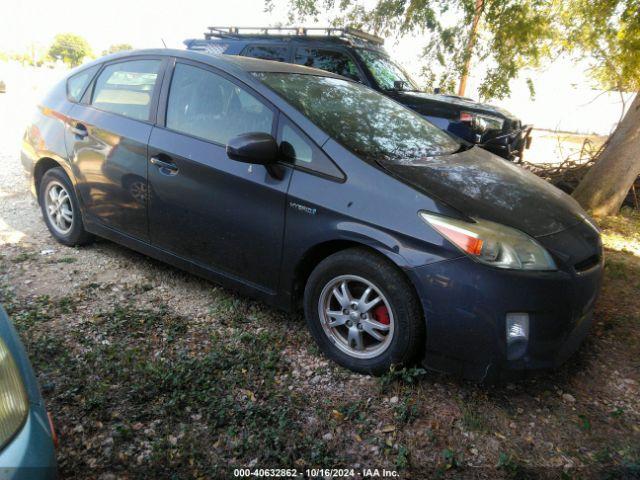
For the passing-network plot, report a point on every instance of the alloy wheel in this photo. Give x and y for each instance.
(59, 207)
(356, 316)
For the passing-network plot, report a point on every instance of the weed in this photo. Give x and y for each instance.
(23, 257)
(449, 458)
(472, 419)
(509, 464)
(405, 411)
(584, 423)
(404, 375)
(402, 459)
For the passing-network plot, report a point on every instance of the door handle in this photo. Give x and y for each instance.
(165, 167)
(79, 129)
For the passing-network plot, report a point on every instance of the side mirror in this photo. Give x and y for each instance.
(255, 147)
(399, 85)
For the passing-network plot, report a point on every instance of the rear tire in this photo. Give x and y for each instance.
(60, 209)
(366, 332)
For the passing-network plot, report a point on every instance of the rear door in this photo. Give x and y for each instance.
(107, 142)
(221, 214)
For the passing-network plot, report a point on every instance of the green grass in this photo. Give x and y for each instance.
(23, 257)
(473, 419)
(63, 260)
(133, 365)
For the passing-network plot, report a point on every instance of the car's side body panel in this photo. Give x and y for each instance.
(215, 211)
(45, 136)
(109, 164)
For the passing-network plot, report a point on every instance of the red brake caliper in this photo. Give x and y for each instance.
(381, 314)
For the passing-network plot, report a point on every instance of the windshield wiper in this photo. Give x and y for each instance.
(402, 90)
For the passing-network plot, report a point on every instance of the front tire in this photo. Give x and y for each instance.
(60, 209)
(363, 313)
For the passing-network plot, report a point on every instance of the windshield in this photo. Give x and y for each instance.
(368, 123)
(385, 71)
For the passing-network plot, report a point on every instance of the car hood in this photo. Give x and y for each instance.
(419, 100)
(481, 185)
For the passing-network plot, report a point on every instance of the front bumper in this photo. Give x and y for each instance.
(30, 455)
(465, 305)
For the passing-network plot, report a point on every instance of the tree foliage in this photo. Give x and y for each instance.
(512, 34)
(606, 33)
(118, 47)
(69, 48)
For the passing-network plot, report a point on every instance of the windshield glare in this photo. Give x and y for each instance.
(369, 124)
(385, 71)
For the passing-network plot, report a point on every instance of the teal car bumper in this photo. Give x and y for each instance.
(30, 453)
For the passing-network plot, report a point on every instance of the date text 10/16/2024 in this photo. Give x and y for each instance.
(315, 472)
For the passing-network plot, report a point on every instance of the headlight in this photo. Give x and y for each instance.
(14, 403)
(492, 243)
(482, 122)
(486, 122)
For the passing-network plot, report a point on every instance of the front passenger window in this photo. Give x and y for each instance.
(208, 106)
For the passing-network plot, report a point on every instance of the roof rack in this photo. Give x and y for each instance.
(235, 32)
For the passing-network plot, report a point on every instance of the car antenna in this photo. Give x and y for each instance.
(162, 40)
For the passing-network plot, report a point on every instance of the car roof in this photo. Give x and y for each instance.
(231, 63)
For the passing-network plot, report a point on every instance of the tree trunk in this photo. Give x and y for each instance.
(607, 183)
(470, 44)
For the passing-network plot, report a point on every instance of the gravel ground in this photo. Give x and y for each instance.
(152, 371)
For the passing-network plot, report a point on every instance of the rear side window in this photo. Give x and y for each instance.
(329, 60)
(127, 88)
(77, 84)
(206, 105)
(267, 52)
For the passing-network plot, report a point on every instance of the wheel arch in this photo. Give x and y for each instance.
(317, 253)
(43, 165)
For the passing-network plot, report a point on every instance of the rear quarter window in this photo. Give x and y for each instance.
(126, 88)
(77, 84)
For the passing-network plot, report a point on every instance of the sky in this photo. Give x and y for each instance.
(564, 97)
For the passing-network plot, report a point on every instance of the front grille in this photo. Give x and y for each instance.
(587, 263)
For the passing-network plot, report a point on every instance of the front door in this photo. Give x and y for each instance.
(221, 214)
(107, 142)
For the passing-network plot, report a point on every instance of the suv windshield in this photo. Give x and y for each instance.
(385, 71)
(369, 124)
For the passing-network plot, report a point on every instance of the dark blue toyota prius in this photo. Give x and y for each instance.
(300, 187)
